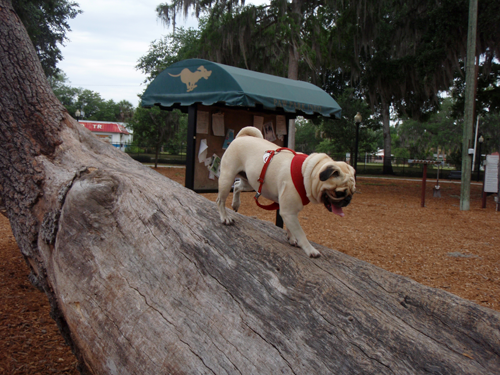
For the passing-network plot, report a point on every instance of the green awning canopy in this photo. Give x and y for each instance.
(202, 81)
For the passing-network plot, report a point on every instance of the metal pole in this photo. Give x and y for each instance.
(469, 107)
(479, 161)
(356, 148)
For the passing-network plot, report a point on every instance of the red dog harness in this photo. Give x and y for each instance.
(297, 178)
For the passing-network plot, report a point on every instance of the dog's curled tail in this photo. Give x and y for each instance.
(249, 131)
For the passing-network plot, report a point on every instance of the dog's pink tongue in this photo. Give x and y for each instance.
(337, 211)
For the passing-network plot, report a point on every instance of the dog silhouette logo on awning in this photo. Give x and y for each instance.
(191, 78)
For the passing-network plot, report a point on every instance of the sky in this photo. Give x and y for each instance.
(107, 40)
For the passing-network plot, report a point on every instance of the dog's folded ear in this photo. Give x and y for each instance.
(330, 171)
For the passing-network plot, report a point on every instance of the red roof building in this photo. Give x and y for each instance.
(114, 133)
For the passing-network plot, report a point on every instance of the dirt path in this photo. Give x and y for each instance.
(439, 246)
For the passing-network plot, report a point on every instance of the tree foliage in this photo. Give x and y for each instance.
(168, 13)
(404, 53)
(307, 136)
(46, 22)
(488, 90)
(442, 134)
(159, 128)
(93, 105)
(282, 38)
(175, 47)
(396, 55)
(339, 136)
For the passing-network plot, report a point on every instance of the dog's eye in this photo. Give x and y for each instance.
(330, 171)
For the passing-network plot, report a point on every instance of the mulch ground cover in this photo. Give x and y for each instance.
(438, 246)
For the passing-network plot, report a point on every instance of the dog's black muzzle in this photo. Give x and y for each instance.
(344, 202)
(338, 201)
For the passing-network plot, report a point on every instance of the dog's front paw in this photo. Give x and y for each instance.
(291, 238)
(312, 252)
(227, 221)
(293, 241)
(315, 254)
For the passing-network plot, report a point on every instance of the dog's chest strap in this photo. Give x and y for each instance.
(297, 178)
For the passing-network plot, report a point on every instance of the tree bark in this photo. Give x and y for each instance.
(142, 278)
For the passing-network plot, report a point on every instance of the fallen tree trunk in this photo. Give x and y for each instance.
(142, 278)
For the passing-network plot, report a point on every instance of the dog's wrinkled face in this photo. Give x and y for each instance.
(337, 187)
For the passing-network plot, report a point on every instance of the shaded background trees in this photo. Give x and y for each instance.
(163, 130)
(398, 56)
(90, 102)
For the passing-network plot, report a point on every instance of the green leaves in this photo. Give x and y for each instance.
(175, 47)
(94, 107)
(47, 24)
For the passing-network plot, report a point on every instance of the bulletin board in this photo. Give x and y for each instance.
(216, 127)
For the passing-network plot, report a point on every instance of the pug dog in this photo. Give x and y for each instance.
(324, 181)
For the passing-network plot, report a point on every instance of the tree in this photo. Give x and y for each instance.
(175, 47)
(488, 90)
(154, 126)
(489, 127)
(406, 52)
(439, 134)
(282, 38)
(90, 102)
(47, 24)
(142, 278)
(400, 54)
(340, 135)
(307, 136)
(272, 39)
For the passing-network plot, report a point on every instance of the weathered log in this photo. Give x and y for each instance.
(142, 278)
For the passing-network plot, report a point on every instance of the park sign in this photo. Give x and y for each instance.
(491, 174)
(201, 81)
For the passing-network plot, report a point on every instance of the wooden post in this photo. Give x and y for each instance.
(190, 148)
(424, 180)
(470, 94)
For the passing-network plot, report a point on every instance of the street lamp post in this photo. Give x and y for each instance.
(480, 141)
(357, 119)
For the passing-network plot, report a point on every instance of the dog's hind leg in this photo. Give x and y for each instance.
(225, 182)
(241, 184)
